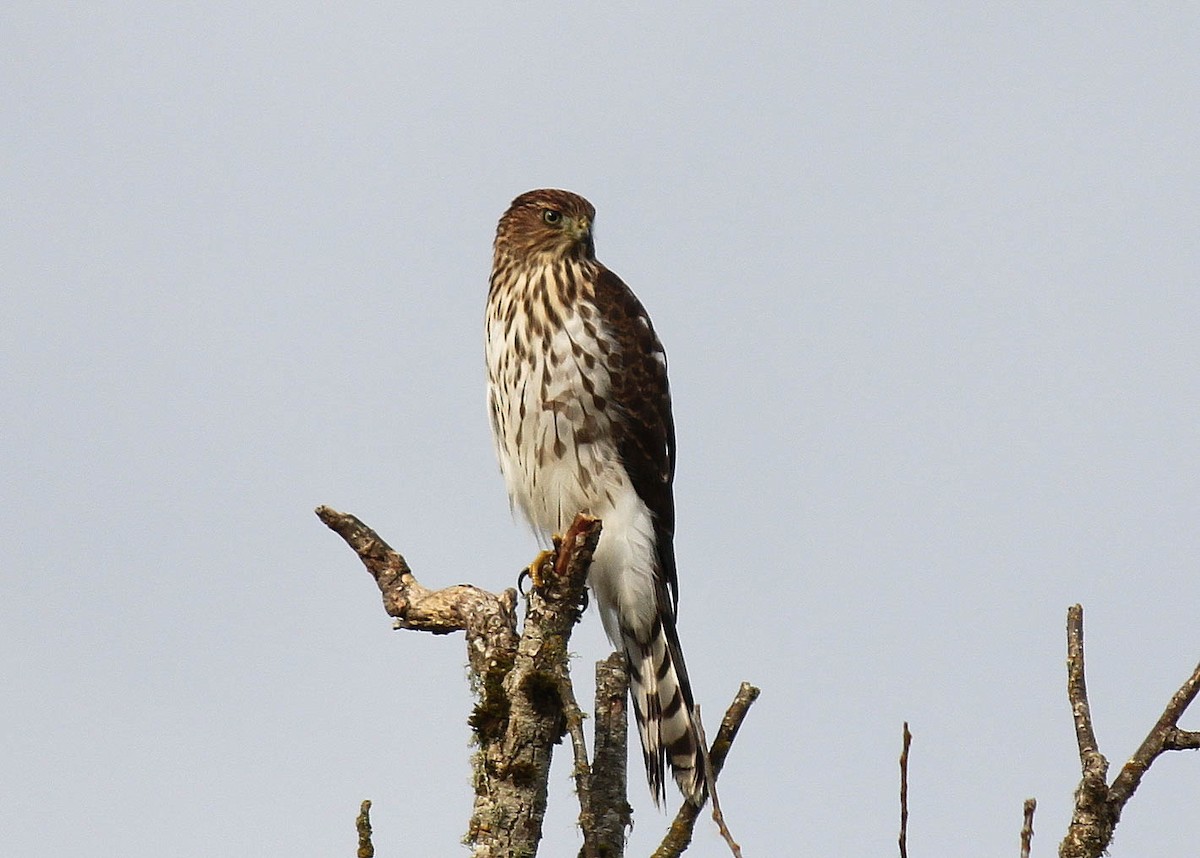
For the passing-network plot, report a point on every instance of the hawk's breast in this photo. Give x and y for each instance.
(549, 390)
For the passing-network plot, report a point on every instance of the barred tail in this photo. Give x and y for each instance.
(663, 707)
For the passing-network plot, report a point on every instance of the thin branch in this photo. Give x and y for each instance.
(1182, 740)
(363, 824)
(679, 836)
(1165, 736)
(1027, 827)
(906, 743)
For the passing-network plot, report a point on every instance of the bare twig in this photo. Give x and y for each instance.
(1097, 806)
(363, 824)
(710, 777)
(1027, 827)
(679, 836)
(906, 743)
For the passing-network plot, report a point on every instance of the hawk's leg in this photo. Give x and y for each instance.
(545, 561)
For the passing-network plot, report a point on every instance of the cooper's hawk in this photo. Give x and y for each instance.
(581, 416)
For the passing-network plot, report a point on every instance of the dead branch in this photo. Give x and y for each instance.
(679, 836)
(525, 702)
(1097, 806)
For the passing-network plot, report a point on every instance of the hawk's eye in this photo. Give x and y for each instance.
(551, 216)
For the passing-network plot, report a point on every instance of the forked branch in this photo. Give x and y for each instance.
(1098, 806)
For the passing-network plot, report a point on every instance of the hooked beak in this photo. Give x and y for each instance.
(580, 228)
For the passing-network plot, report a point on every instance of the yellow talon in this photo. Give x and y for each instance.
(535, 568)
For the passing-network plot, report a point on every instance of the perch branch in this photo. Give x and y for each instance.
(516, 747)
(519, 714)
(679, 836)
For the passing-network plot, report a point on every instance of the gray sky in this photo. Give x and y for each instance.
(927, 277)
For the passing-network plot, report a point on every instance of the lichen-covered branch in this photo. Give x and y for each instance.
(1098, 806)
(512, 800)
(518, 716)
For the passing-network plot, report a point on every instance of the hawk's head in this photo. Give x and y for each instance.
(550, 223)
